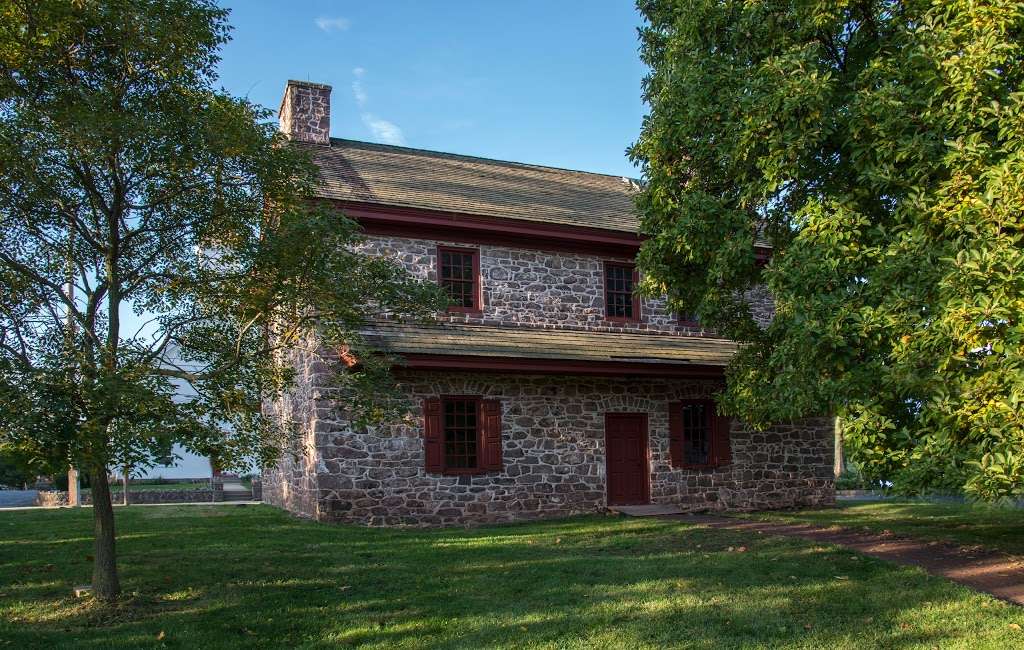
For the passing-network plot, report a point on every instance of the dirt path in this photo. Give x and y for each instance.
(988, 571)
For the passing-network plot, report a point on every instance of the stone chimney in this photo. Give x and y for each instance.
(305, 113)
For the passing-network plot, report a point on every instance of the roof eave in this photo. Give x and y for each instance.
(526, 365)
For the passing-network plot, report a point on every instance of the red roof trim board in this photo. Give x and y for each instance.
(556, 366)
(477, 229)
(466, 228)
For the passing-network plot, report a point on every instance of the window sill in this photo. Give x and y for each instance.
(460, 472)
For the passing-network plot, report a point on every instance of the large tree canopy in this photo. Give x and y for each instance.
(879, 147)
(129, 183)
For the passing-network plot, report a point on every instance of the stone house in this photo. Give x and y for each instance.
(548, 388)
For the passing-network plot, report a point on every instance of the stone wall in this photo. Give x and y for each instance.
(55, 498)
(51, 498)
(526, 287)
(291, 484)
(553, 447)
(305, 112)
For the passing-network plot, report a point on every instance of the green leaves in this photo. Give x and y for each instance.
(127, 174)
(880, 148)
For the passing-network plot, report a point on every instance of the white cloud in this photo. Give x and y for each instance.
(386, 132)
(383, 130)
(357, 90)
(327, 24)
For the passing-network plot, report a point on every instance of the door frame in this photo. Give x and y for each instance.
(646, 474)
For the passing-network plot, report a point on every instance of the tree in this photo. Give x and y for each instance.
(879, 147)
(15, 470)
(129, 184)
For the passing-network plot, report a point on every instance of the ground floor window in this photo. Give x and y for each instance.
(696, 433)
(462, 434)
(698, 436)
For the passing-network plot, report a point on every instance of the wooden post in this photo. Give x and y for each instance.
(74, 487)
(125, 484)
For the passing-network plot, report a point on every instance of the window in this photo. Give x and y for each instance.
(620, 301)
(462, 435)
(458, 273)
(696, 433)
(698, 436)
(687, 319)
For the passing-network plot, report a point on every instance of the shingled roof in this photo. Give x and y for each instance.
(400, 176)
(548, 344)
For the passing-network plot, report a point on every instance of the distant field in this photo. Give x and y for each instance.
(158, 487)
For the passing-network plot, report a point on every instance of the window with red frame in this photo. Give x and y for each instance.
(688, 319)
(462, 435)
(698, 436)
(696, 433)
(620, 301)
(458, 274)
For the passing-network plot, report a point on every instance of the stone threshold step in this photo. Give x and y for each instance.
(653, 510)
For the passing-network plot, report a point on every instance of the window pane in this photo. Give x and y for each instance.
(460, 434)
(457, 278)
(696, 434)
(618, 291)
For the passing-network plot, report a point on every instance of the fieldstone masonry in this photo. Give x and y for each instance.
(553, 447)
(552, 426)
(305, 113)
(526, 287)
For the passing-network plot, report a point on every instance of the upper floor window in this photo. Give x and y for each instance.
(620, 301)
(688, 319)
(459, 274)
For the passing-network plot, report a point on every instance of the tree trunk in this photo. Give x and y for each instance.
(840, 457)
(105, 584)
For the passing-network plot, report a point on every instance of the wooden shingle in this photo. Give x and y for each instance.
(555, 344)
(414, 178)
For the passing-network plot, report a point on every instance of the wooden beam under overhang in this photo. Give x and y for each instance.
(519, 365)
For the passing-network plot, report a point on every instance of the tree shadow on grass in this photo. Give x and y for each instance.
(264, 579)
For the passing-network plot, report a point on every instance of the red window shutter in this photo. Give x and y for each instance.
(675, 433)
(491, 429)
(721, 446)
(433, 434)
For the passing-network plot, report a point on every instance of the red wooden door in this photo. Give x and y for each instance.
(626, 457)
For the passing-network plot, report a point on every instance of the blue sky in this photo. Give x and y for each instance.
(545, 82)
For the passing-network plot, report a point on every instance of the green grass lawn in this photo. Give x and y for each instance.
(998, 528)
(243, 577)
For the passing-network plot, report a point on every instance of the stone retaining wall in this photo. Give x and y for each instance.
(51, 498)
(54, 498)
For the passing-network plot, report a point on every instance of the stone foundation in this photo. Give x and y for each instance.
(554, 459)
